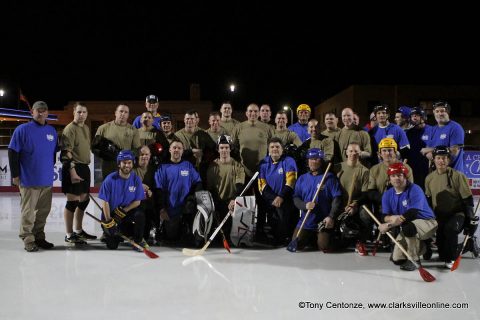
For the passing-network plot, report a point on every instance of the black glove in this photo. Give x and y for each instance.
(110, 227)
(118, 214)
(471, 225)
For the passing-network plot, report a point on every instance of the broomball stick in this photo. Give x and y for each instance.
(292, 246)
(192, 252)
(426, 276)
(148, 253)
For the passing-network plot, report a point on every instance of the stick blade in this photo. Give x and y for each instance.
(426, 276)
(226, 246)
(191, 252)
(150, 254)
(456, 264)
(375, 248)
(292, 246)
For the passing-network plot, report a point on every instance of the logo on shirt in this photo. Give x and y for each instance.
(50, 137)
(389, 136)
(443, 136)
(184, 173)
(132, 188)
(404, 203)
(425, 137)
(280, 171)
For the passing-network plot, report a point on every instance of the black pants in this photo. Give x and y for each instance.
(280, 219)
(447, 235)
(132, 225)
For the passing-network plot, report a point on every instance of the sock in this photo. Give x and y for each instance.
(78, 231)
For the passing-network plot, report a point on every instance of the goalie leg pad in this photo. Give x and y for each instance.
(84, 204)
(71, 205)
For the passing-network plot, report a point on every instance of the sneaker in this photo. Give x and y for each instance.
(360, 249)
(409, 266)
(449, 264)
(31, 247)
(44, 244)
(75, 239)
(85, 236)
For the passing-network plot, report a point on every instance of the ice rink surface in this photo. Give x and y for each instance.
(91, 282)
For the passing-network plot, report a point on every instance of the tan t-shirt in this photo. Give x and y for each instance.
(346, 136)
(76, 139)
(125, 137)
(447, 190)
(379, 180)
(288, 137)
(229, 125)
(360, 184)
(222, 178)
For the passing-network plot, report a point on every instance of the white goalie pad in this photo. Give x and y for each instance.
(202, 222)
(244, 221)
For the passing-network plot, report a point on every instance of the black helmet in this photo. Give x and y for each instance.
(441, 151)
(381, 107)
(419, 111)
(225, 139)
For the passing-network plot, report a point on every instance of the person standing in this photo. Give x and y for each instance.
(301, 127)
(122, 134)
(75, 157)
(227, 122)
(151, 104)
(31, 155)
(215, 130)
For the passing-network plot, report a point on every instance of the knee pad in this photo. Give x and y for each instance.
(71, 205)
(84, 204)
(409, 229)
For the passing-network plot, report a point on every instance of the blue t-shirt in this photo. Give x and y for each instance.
(418, 138)
(137, 123)
(301, 130)
(36, 145)
(177, 179)
(120, 192)
(275, 173)
(449, 135)
(305, 189)
(390, 131)
(411, 198)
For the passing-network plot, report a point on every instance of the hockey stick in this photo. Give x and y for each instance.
(426, 276)
(192, 252)
(377, 243)
(225, 242)
(147, 252)
(292, 246)
(456, 264)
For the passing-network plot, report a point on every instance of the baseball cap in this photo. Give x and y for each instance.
(152, 99)
(40, 105)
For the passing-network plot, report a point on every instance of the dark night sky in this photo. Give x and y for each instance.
(59, 51)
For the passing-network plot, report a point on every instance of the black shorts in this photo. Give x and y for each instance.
(76, 188)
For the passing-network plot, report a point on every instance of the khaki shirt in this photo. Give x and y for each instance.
(125, 137)
(346, 136)
(379, 180)
(229, 125)
(357, 186)
(447, 190)
(222, 178)
(76, 139)
(288, 137)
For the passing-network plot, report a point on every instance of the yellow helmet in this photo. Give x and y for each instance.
(303, 107)
(388, 143)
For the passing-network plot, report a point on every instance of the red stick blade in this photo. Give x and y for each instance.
(226, 246)
(426, 276)
(456, 264)
(150, 254)
(375, 248)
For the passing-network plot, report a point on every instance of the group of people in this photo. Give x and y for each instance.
(176, 183)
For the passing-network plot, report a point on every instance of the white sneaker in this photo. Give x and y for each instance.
(449, 264)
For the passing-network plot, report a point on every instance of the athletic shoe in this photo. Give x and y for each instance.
(449, 264)
(142, 244)
(85, 236)
(74, 238)
(409, 266)
(360, 249)
(31, 247)
(44, 244)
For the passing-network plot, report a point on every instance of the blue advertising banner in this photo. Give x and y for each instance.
(471, 160)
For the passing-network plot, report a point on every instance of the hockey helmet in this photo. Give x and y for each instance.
(125, 155)
(315, 153)
(396, 168)
(388, 143)
(419, 111)
(441, 151)
(381, 107)
(304, 107)
(405, 111)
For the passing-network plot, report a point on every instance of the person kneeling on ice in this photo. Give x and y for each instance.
(122, 191)
(405, 206)
(319, 227)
